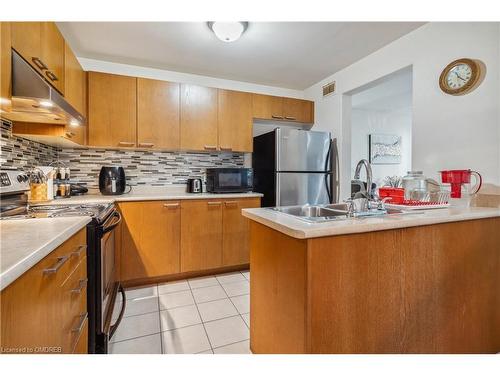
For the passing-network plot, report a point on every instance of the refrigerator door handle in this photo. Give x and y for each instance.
(335, 175)
(278, 190)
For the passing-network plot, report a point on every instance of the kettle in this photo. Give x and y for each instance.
(194, 185)
(112, 181)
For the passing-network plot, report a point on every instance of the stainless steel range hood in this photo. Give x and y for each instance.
(34, 100)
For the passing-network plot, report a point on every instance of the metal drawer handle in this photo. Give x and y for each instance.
(290, 118)
(171, 205)
(81, 323)
(275, 116)
(79, 250)
(226, 148)
(59, 264)
(228, 203)
(81, 285)
(146, 144)
(51, 76)
(208, 147)
(39, 63)
(214, 203)
(70, 134)
(127, 144)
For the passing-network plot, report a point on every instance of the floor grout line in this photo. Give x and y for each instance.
(237, 342)
(199, 314)
(159, 318)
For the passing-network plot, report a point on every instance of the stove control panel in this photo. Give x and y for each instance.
(4, 179)
(13, 182)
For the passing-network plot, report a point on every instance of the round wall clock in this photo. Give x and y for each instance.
(460, 77)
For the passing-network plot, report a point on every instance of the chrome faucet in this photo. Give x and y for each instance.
(369, 178)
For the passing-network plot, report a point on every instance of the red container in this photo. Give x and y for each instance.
(457, 177)
(396, 195)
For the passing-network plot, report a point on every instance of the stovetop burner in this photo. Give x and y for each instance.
(98, 211)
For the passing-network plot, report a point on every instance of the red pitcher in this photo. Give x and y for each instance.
(458, 177)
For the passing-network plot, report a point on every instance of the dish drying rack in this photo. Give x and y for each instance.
(434, 199)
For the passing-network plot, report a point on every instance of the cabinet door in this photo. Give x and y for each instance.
(112, 110)
(150, 239)
(74, 80)
(201, 235)
(298, 110)
(5, 66)
(53, 54)
(157, 114)
(27, 41)
(236, 241)
(267, 107)
(198, 118)
(235, 121)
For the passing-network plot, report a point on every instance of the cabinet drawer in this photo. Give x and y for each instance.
(74, 306)
(81, 346)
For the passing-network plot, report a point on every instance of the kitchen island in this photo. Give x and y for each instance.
(423, 283)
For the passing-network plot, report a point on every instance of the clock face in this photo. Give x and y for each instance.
(458, 76)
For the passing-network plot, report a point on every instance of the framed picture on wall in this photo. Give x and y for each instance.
(384, 148)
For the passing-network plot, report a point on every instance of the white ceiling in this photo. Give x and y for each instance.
(291, 55)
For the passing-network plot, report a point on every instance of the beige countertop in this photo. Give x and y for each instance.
(140, 193)
(24, 242)
(297, 228)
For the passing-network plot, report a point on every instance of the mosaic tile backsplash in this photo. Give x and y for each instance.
(145, 167)
(19, 153)
(154, 168)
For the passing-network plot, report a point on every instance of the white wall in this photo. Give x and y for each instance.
(369, 121)
(448, 131)
(167, 75)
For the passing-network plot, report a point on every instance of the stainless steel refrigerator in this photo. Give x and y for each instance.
(295, 167)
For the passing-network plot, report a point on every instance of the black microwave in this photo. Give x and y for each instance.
(229, 180)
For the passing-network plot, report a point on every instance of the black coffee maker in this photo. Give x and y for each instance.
(112, 180)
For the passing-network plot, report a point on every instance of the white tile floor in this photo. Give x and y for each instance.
(204, 315)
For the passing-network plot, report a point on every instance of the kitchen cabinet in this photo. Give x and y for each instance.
(46, 308)
(112, 109)
(201, 235)
(236, 227)
(158, 114)
(41, 45)
(74, 81)
(267, 107)
(235, 121)
(298, 110)
(5, 67)
(198, 118)
(150, 239)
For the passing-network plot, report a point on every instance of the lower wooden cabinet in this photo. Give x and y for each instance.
(162, 238)
(236, 227)
(201, 235)
(150, 239)
(44, 310)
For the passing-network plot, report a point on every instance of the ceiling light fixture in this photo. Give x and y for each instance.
(228, 31)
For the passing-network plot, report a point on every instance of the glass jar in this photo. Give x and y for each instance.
(415, 185)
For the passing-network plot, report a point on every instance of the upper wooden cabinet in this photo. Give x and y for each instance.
(201, 235)
(269, 107)
(42, 45)
(150, 243)
(235, 121)
(74, 81)
(198, 118)
(5, 66)
(158, 114)
(112, 110)
(298, 110)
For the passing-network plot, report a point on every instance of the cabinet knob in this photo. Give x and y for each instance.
(277, 117)
(146, 144)
(231, 203)
(81, 285)
(55, 267)
(226, 148)
(290, 118)
(208, 147)
(214, 203)
(171, 205)
(70, 134)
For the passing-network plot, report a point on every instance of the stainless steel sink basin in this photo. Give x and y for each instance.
(331, 212)
(314, 213)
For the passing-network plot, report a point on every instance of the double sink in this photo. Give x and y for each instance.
(330, 212)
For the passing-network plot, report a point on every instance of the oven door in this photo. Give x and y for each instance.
(110, 286)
